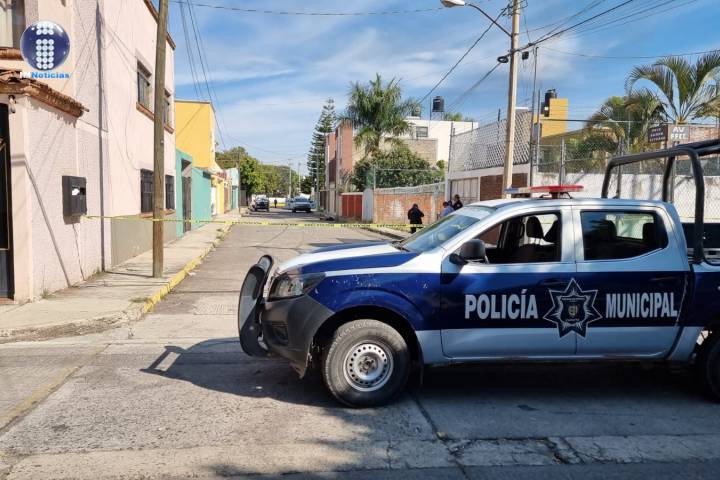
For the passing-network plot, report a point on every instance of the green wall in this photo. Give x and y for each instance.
(200, 190)
(179, 157)
(200, 196)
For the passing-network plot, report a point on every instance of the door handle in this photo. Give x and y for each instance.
(663, 279)
(553, 282)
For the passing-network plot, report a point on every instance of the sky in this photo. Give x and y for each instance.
(271, 74)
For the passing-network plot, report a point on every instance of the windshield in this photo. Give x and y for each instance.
(443, 230)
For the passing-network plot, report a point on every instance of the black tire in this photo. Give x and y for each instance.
(376, 343)
(708, 363)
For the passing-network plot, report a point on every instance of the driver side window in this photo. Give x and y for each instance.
(525, 239)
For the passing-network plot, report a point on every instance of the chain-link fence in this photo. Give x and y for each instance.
(402, 177)
(485, 146)
(565, 163)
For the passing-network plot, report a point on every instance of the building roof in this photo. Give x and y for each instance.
(11, 83)
(155, 14)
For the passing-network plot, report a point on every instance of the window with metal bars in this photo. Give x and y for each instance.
(146, 191)
(144, 87)
(169, 192)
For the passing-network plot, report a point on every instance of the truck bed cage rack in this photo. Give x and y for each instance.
(694, 151)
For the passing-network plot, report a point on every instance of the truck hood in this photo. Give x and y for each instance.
(348, 257)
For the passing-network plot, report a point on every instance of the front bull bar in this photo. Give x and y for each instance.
(250, 305)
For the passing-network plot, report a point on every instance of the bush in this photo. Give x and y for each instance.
(397, 167)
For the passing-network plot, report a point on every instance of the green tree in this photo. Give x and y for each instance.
(316, 156)
(685, 91)
(397, 167)
(377, 110)
(457, 117)
(229, 158)
(251, 178)
(307, 184)
(627, 119)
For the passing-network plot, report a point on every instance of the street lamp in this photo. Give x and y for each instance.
(512, 90)
(462, 3)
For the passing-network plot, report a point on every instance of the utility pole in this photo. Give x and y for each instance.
(159, 141)
(290, 179)
(240, 183)
(533, 125)
(512, 98)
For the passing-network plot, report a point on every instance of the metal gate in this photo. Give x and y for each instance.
(6, 251)
(187, 202)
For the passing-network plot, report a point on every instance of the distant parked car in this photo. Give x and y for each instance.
(300, 204)
(261, 203)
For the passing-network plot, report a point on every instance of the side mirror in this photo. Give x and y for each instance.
(473, 251)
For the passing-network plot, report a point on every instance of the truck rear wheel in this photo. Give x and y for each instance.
(367, 363)
(708, 363)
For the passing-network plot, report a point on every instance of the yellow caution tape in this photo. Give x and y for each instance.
(257, 222)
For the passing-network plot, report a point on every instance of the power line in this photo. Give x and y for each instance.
(631, 17)
(188, 50)
(312, 14)
(565, 20)
(206, 71)
(467, 52)
(620, 57)
(582, 22)
(455, 104)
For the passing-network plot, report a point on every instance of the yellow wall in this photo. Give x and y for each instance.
(219, 184)
(195, 131)
(558, 111)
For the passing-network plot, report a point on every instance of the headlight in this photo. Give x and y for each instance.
(289, 285)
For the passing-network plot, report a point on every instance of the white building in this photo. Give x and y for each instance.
(435, 131)
(95, 125)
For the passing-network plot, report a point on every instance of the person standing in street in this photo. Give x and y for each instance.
(457, 204)
(276, 203)
(447, 209)
(415, 217)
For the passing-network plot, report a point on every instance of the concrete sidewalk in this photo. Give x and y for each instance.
(120, 295)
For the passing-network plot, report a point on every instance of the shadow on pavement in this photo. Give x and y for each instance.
(220, 365)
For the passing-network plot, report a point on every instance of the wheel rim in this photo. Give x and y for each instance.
(368, 366)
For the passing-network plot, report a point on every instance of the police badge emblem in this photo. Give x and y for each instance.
(573, 309)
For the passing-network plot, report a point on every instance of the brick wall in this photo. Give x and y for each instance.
(491, 186)
(390, 205)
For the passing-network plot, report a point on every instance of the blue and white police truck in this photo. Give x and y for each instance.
(521, 279)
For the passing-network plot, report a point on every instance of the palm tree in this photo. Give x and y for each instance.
(684, 90)
(628, 118)
(377, 111)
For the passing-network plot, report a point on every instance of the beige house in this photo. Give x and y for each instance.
(88, 135)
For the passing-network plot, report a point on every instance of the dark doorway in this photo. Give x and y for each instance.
(187, 195)
(6, 251)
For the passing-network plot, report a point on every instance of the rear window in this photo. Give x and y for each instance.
(616, 235)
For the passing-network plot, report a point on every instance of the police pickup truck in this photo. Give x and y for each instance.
(520, 279)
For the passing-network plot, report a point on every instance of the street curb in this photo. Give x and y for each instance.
(387, 232)
(105, 322)
(178, 277)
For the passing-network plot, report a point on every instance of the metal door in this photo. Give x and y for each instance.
(187, 202)
(631, 259)
(508, 310)
(6, 251)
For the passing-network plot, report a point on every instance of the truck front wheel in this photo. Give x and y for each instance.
(709, 365)
(366, 364)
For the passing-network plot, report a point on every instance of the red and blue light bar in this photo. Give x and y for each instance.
(555, 191)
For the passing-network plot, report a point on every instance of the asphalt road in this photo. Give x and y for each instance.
(172, 396)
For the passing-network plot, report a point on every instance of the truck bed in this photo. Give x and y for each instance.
(711, 243)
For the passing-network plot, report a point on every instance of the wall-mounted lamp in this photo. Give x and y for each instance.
(11, 101)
